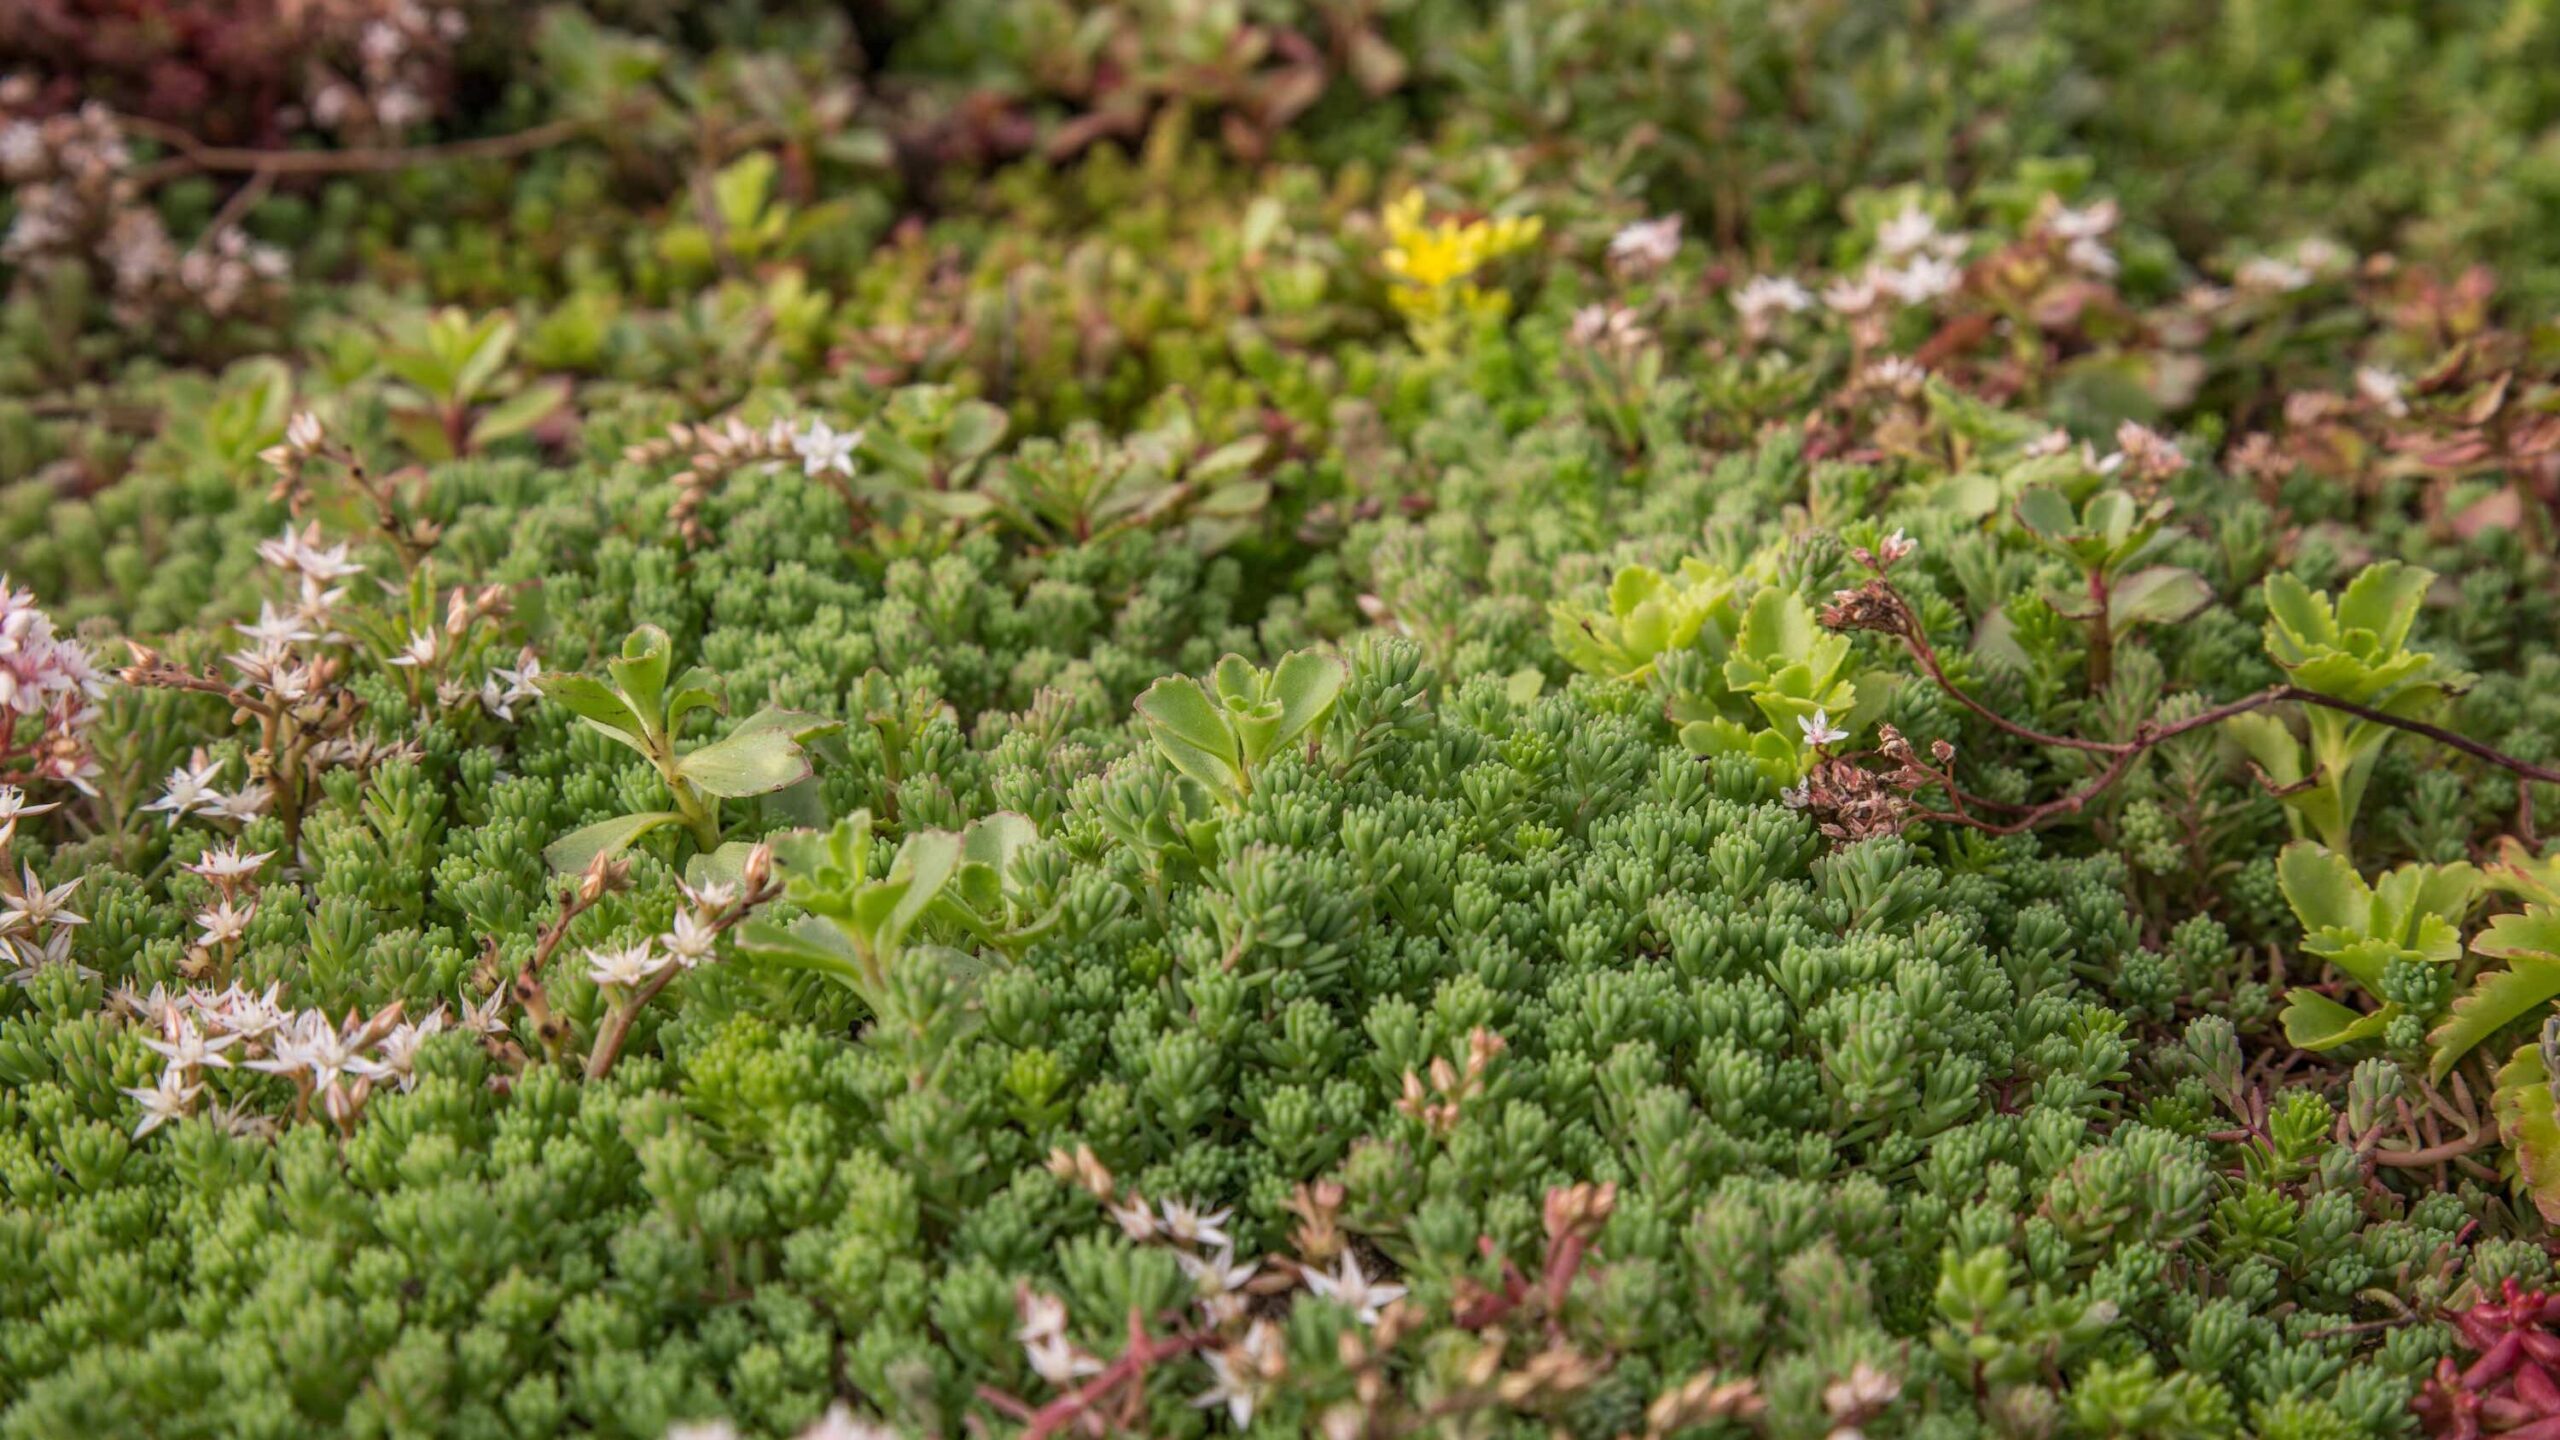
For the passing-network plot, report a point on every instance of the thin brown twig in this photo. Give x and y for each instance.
(1897, 618)
(241, 202)
(194, 154)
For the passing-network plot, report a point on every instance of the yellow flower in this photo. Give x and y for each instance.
(1433, 265)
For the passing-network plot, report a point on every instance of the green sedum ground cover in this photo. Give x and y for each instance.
(1368, 718)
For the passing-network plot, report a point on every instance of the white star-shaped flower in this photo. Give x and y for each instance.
(1365, 1297)
(822, 448)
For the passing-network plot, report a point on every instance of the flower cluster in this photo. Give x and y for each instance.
(77, 203)
(334, 1066)
(1434, 265)
(49, 690)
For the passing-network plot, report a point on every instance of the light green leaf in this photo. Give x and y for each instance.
(2313, 1021)
(2383, 599)
(1233, 458)
(641, 670)
(486, 347)
(2046, 514)
(2299, 616)
(2529, 1121)
(1191, 732)
(578, 849)
(924, 865)
(726, 865)
(742, 765)
(591, 698)
(2323, 889)
(2159, 595)
(1306, 684)
(759, 757)
(976, 427)
(520, 412)
(809, 944)
(2533, 934)
(2496, 1000)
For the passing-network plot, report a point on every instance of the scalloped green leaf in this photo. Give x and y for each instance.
(2497, 999)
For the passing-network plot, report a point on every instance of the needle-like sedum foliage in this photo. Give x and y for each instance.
(1367, 720)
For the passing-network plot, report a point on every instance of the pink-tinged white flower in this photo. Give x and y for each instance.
(1860, 1393)
(303, 432)
(309, 1045)
(303, 554)
(1922, 279)
(1194, 1227)
(242, 805)
(34, 907)
(395, 1055)
(1042, 1316)
(186, 1047)
(690, 941)
(1054, 1359)
(711, 895)
(1761, 299)
(275, 629)
(1219, 1274)
(1818, 729)
(2383, 390)
(2092, 258)
(1797, 796)
(1365, 1297)
(629, 967)
(1243, 1371)
(420, 651)
(1907, 233)
(42, 673)
(1647, 244)
(171, 1099)
(1135, 1219)
(251, 1017)
(2152, 455)
(2267, 275)
(506, 688)
(702, 1430)
(224, 863)
(821, 448)
(1853, 294)
(1608, 327)
(1897, 374)
(34, 956)
(1895, 548)
(189, 788)
(13, 803)
(225, 923)
(486, 1016)
(2089, 222)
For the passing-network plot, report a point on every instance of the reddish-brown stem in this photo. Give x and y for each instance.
(2437, 1154)
(2150, 734)
(1129, 1368)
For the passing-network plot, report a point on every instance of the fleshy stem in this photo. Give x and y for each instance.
(757, 888)
(1127, 1371)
